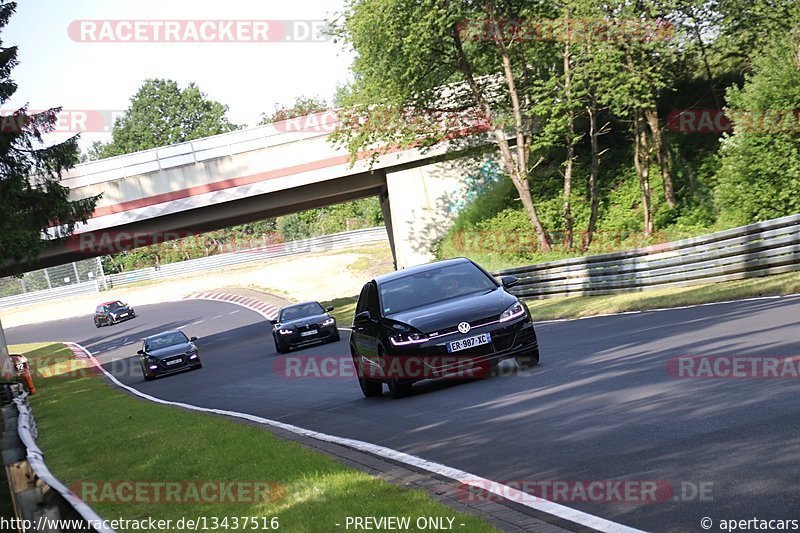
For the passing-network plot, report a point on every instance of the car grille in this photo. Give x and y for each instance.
(454, 329)
(308, 327)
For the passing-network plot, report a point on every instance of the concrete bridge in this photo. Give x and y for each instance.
(266, 171)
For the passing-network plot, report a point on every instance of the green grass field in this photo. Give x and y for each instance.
(93, 433)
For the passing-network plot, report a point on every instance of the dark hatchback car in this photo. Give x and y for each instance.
(303, 324)
(168, 353)
(437, 320)
(112, 312)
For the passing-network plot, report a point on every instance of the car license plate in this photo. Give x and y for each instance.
(307, 333)
(469, 342)
(174, 362)
(123, 315)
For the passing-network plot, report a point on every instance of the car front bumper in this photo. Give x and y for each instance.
(297, 340)
(432, 360)
(163, 369)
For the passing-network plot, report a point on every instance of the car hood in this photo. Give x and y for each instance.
(175, 349)
(315, 319)
(449, 313)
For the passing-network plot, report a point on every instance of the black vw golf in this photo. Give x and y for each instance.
(167, 353)
(303, 324)
(441, 319)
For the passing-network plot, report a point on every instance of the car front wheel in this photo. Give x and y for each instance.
(369, 388)
(397, 387)
(279, 347)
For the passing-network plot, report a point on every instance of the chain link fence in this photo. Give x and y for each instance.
(71, 274)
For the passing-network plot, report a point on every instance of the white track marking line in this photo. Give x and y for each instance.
(665, 308)
(268, 316)
(196, 323)
(504, 491)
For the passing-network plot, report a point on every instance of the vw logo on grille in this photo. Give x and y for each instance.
(464, 327)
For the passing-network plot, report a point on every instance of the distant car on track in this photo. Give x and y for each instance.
(167, 353)
(112, 312)
(437, 320)
(303, 324)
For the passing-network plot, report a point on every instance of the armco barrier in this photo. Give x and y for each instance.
(37, 495)
(760, 249)
(85, 287)
(271, 251)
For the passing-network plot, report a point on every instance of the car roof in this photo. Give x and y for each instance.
(111, 302)
(420, 268)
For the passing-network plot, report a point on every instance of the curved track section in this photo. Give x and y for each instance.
(602, 406)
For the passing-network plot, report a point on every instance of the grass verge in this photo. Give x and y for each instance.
(344, 309)
(581, 306)
(93, 433)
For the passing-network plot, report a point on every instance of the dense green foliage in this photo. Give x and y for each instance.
(31, 197)
(161, 114)
(759, 175)
(632, 176)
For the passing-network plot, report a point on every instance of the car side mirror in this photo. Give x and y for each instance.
(509, 281)
(329, 308)
(273, 322)
(140, 352)
(362, 316)
(193, 339)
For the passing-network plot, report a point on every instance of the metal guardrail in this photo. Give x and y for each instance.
(760, 249)
(86, 287)
(271, 251)
(39, 497)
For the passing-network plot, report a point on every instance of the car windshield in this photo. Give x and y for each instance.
(300, 311)
(113, 306)
(417, 290)
(165, 339)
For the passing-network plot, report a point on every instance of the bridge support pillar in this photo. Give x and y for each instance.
(386, 209)
(424, 202)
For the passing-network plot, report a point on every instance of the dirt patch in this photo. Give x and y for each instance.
(322, 276)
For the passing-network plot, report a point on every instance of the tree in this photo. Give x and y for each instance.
(440, 56)
(31, 198)
(161, 114)
(642, 69)
(759, 175)
(301, 107)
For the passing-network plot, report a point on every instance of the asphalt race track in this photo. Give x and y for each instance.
(601, 406)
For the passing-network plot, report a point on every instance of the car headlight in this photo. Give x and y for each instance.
(284, 331)
(408, 338)
(329, 321)
(515, 311)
